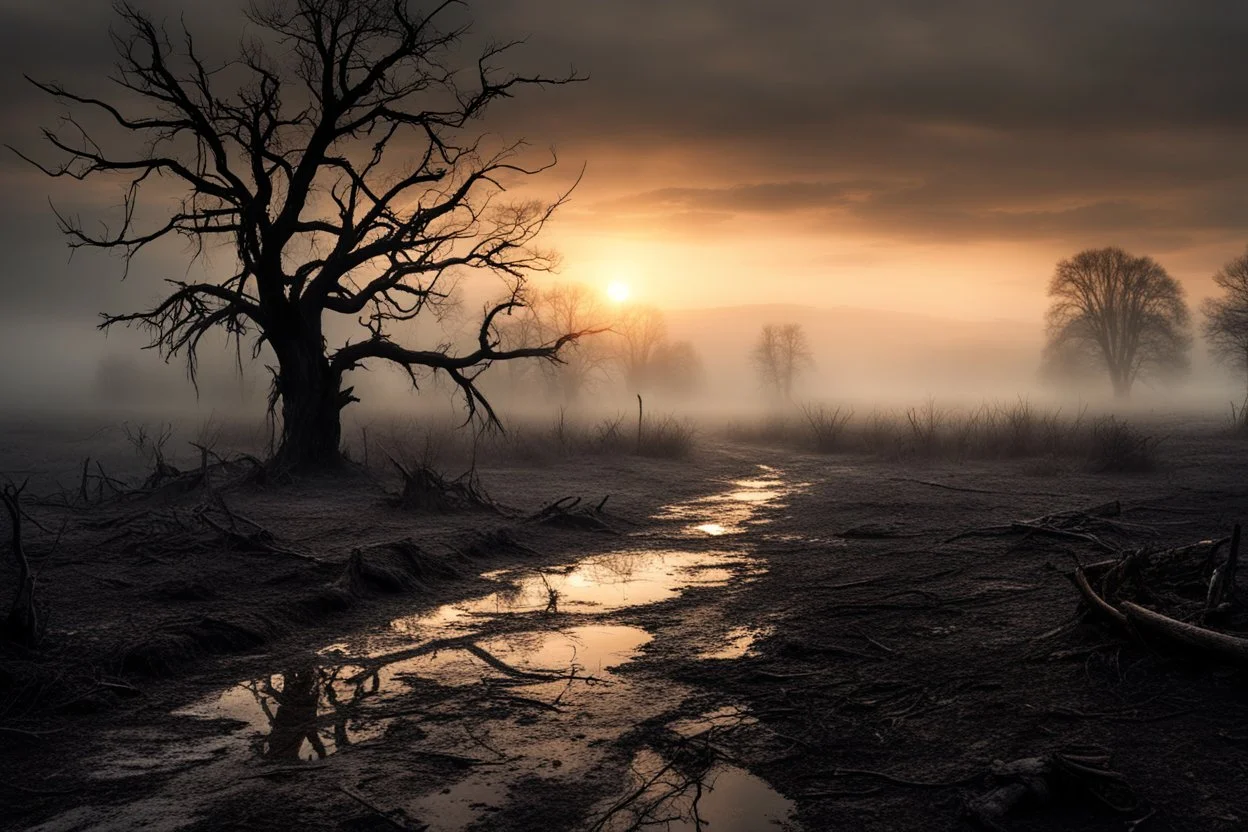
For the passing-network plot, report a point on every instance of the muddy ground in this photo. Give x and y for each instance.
(751, 638)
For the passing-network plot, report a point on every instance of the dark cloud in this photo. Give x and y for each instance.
(961, 119)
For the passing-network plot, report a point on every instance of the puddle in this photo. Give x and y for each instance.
(732, 511)
(725, 798)
(601, 583)
(312, 711)
(737, 643)
(504, 689)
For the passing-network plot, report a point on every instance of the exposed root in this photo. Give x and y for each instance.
(1083, 525)
(1187, 582)
(568, 513)
(424, 489)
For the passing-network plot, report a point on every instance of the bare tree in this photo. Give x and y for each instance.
(336, 160)
(557, 309)
(1226, 318)
(781, 354)
(641, 330)
(675, 367)
(1118, 311)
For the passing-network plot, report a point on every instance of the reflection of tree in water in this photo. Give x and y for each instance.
(617, 567)
(299, 702)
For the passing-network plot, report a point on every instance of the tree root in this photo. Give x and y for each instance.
(568, 513)
(1162, 576)
(424, 489)
(1082, 525)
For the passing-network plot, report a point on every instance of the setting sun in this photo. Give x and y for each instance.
(618, 291)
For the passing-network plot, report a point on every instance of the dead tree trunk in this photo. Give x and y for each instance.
(311, 397)
(22, 625)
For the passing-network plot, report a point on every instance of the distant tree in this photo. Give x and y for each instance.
(781, 355)
(1226, 318)
(337, 159)
(549, 313)
(641, 331)
(675, 367)
(1122, 313)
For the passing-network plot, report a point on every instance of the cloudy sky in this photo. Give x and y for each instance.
(897, 154)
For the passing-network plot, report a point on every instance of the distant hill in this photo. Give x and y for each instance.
(871, 351)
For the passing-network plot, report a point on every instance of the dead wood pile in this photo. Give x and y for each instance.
(1184, 598)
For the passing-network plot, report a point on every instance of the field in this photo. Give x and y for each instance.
(767, 624)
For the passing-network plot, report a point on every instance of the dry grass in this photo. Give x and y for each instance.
(1011, 430)
(827, 426)
(446, 446)
(1120, 448)
(1239, 419)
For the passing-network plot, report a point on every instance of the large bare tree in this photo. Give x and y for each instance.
(1123, 312)
(338, 160)
(1226, 317)
(780, 355)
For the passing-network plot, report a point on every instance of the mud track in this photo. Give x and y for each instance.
(757, 639)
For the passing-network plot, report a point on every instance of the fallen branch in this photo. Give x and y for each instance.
(1229, 648)
(1096, 602)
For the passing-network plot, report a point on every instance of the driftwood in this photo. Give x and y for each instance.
(1083, 772)
(1218, 645)
(1162, 577)
(1095, 601)
(1221, 595)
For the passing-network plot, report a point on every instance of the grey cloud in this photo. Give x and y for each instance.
(952, 120)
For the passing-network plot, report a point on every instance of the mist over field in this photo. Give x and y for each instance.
(510, 416)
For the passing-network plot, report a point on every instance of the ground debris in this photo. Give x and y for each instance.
(425, 489)
(1170, 597)
(1079, 773)
(569, 513)
(1084, 525)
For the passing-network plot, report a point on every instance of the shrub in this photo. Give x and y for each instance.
(826, 426)
(1118, 447)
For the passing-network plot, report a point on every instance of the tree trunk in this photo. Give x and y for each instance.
(1122, 385)
(312, 403)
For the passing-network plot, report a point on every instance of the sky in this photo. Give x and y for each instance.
(910, 155)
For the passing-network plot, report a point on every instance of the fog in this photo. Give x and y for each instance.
(862, 358)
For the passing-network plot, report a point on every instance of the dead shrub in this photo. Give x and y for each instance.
(827, 426)
(1118, 447)
(666, 438)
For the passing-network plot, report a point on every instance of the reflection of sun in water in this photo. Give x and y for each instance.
(618, 291)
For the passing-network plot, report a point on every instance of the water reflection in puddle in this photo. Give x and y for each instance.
(736, 643)
(668, 796)
(317, 708)
(532, 695)
(601, 583)
(730, 512)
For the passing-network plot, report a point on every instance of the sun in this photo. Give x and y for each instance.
(619, 291)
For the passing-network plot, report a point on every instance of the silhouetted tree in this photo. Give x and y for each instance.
(558, 309)
(1226, 318)
(781, 355)
(335, 158)
(1121, 312)
(641, 329)
(675, 367)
